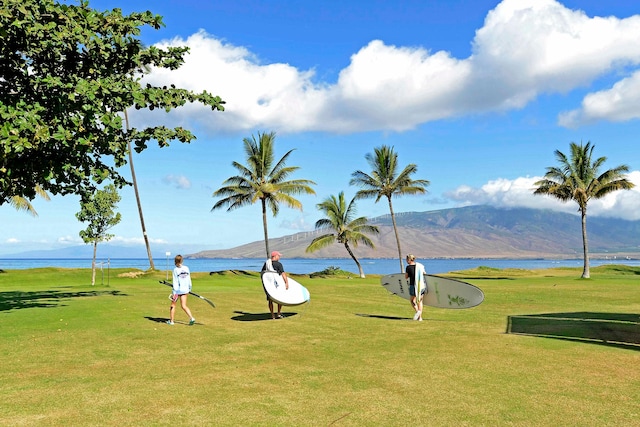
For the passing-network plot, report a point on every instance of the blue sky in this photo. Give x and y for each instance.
(477, 93)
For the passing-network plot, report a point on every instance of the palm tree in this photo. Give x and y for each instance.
(344, 229)
(578, 178)
(22, 204)
(386, 181)
(262, 179)
(135, 190)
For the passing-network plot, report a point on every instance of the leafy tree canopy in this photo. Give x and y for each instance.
(98, 210)
(67, 72)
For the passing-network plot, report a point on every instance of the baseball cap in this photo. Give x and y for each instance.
(275, 253)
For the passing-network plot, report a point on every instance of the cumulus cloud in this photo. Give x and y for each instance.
(12, 241)
(525, 48)
(618, 104)
(179, 181)
(519, 193)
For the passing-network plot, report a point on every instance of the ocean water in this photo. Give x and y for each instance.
(307, 266)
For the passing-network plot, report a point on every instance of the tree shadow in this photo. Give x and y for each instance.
(611, 329)
(16, 300)
(235, 272)
(255, 317)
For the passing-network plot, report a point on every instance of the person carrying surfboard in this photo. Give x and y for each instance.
(415, 272)
(274, 264)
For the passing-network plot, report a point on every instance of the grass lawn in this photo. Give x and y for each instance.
(78, 355)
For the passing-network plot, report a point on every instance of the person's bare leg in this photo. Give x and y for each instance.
(414, 305)
(183, 303)
(172, 312)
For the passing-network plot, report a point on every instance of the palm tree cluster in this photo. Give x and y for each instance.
(263, 179)
(577, 178)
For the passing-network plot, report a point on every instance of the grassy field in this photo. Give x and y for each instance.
(78, 355)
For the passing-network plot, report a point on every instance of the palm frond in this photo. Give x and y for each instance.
(321, 242)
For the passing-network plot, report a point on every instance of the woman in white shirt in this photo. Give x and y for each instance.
(181, 289)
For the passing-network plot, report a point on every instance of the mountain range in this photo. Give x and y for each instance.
(468, 232)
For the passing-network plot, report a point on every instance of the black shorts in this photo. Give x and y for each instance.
(412, 290)
(263, 288)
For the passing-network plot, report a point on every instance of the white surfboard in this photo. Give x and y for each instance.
(274, 285)
(441, 292)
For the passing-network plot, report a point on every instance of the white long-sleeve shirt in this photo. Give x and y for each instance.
(181, 280)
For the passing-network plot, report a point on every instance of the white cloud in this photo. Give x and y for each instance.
(525, 48)
(618, 104)
(69, 240)
(12, 241)
(519, 193)
(179, 181)
(256, 94)
(398, 87)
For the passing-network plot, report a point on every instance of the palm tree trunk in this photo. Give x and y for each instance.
(395, 230)
(135, 189)
(585, 244)
(346, 245)
(264, 226)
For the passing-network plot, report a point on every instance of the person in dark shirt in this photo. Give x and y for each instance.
(273, 264)
(415, 274)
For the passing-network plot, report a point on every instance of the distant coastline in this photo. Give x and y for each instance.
(473, 232)
(306, 265)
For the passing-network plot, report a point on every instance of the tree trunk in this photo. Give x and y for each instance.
(264, 226)
(135, 189)
(93, 263)
(346, 245)
(585, 244)
(395, 230)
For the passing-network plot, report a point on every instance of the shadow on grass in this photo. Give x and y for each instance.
(236, 272)
(166, 319)
(379, 316)
(15, 300)
(610, 329)
(255, 317)
(157, 319)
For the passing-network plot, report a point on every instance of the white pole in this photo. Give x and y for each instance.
(167, 254)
